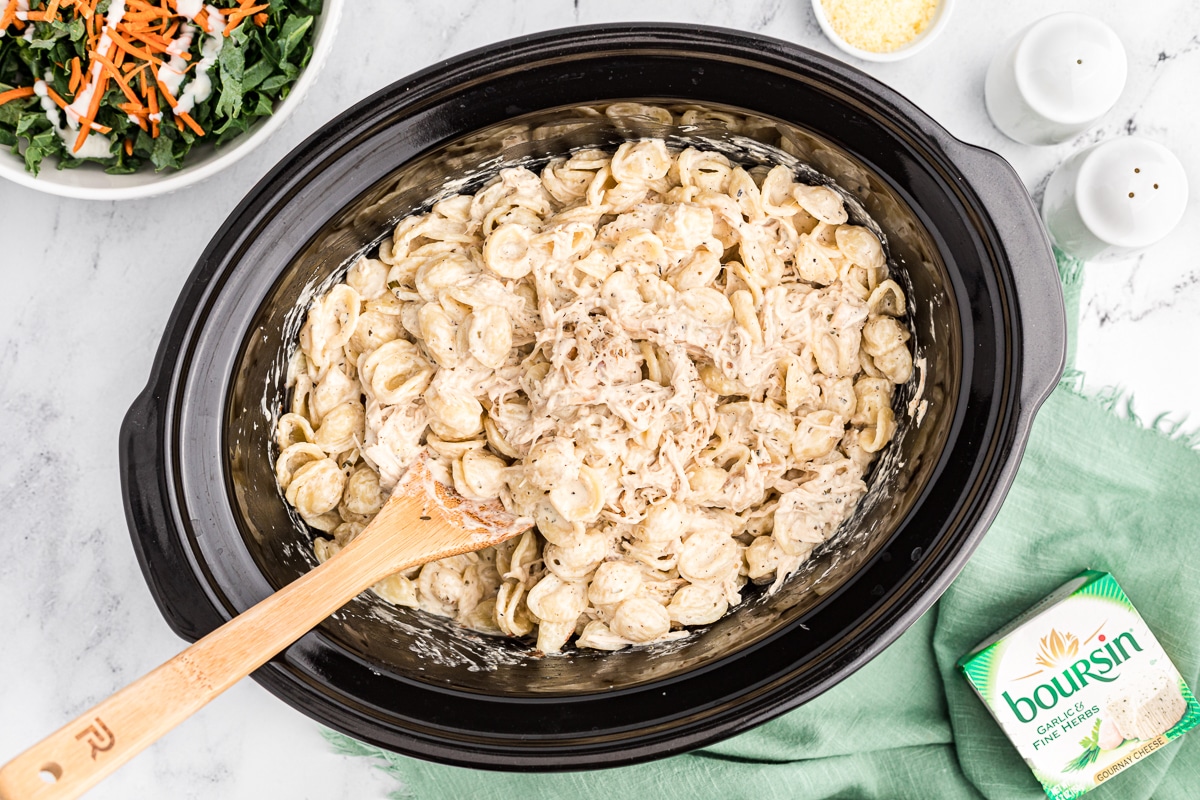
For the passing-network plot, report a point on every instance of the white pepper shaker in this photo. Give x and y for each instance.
(1055, 78)
(1115, 197)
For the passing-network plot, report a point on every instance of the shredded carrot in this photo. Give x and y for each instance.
(10, 14)
(76, 76)
(51, 11)
(141, 16)
(56, 97)
(98, 128)
(120, 42)
(129, 147)
(191, 123)
(151, 94)
(154, 42)
(238, 14)
(58, 101)
(150, 11)
(136, 69)
(86, 123)
(15, 94)
(179, 115)
(261, 19)
(36, 16)
(166, 92)
(115, 73)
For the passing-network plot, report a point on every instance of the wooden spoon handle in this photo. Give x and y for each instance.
(80, 754)
(422, 521)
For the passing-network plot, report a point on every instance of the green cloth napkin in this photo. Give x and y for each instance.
(1095, 489)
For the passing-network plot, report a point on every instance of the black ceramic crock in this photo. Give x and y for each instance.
(214, 536)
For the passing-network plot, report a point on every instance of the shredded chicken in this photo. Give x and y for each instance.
(678, 368)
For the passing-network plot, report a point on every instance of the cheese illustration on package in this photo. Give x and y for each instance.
(1081, 686)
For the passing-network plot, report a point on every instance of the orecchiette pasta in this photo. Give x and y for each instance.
(680, 368)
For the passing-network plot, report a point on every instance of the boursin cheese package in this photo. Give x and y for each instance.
(1081, 686)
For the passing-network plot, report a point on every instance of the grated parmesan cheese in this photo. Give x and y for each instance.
(879, 26)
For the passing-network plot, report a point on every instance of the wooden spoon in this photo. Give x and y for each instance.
(422, 521)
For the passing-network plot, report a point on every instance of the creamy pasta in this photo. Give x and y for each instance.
(679, 368)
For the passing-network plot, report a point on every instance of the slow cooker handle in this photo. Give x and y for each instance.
(1043, 318)
(153, 525)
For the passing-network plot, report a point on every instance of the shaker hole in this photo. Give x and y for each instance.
(1156, 186)
(1137, 169)
(50, 773)
(1131, 194)
(1079, 61)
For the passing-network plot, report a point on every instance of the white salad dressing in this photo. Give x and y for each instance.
(172, 73)
(189, 8)
(216, 19)
(96, 145)
(48, 106)
(200, 87)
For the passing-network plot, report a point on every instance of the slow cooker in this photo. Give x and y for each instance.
(214, 535)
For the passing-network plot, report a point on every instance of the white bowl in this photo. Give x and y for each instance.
(91, 182)
(941, 16)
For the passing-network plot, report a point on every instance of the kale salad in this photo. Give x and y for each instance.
(126, 83)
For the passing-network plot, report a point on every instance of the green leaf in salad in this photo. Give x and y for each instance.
(10, 112)
(162, 154)
(232, 129)
(30, 124)
(294, 29)
(275, 83)
(263, 106)
(76, 29)
(253, 77)
(271, 49)
(47, 35)
(39, 147)
(232, 63)
(34, 156)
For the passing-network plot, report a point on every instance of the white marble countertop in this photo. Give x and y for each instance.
(89, 287)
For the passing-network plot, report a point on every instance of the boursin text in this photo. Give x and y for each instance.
(1103, 660)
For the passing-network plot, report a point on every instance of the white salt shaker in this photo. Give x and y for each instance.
(1055, 78)
(1115, 197)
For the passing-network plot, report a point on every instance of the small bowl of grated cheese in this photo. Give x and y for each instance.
(882, 30)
